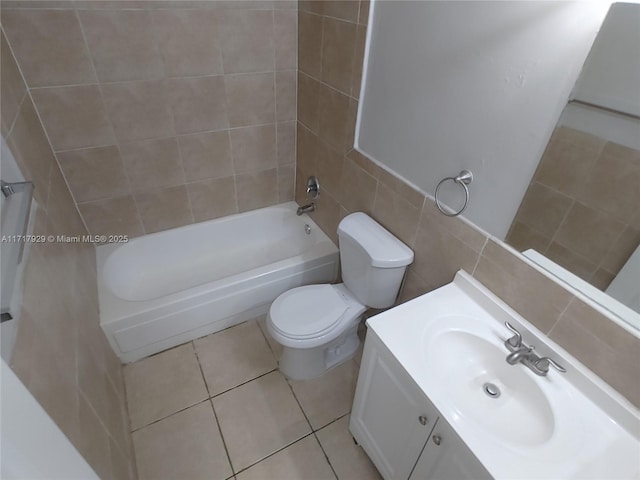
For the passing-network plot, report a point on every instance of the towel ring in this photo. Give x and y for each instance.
(464, 179)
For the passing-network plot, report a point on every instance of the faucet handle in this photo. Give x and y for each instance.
(542, 365)
(313, 187)
(516, 340)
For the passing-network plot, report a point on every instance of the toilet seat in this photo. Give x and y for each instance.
(307, 312)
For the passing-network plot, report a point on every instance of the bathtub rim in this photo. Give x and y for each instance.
(115, 309)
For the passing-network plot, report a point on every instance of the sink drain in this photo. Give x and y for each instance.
(492, 390)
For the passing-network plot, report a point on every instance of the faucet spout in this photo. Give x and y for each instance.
(310, 207)
(519, 355)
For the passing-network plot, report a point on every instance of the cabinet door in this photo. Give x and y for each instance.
(446, 457)
(391, 416)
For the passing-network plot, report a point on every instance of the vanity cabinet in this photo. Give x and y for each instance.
(399, 428)
(446, 457)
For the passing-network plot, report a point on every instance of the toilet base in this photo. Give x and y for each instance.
(308, 363)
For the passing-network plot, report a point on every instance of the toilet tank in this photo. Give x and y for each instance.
(373, 261)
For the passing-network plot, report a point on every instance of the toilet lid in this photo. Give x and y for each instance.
(307, 311)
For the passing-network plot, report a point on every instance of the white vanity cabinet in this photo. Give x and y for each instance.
(395, 423)
(436, 398)
(446, 457)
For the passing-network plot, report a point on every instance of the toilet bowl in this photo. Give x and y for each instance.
(317, 325)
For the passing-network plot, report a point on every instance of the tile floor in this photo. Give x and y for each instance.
(218, 408)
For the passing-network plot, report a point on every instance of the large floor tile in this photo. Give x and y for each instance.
(234, 356)
(275, 346)
(186, 445)
(163, 384)
(329, 396)
(347, 459)
(302, 460)
(259, 418)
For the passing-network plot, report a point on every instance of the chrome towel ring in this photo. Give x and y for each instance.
(464, 179)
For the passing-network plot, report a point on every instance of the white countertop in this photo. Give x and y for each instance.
(594, 432)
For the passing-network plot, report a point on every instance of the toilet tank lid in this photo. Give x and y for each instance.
(385, 250)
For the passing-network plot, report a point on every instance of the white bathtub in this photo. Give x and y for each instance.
(170, 287)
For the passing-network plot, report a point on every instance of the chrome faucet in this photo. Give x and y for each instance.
(310, 207)
(313, 191)
(519, 355)
(522, 353)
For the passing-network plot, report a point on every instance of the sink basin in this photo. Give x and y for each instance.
(501, 399)
(518, 425)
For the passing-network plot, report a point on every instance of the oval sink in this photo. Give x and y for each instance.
(501, 399)
(518, 424)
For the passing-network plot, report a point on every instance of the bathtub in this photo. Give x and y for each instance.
(167, 288)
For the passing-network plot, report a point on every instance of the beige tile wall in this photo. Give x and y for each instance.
(328, 91)
(61, 354)
(163, 113)
(581, 209)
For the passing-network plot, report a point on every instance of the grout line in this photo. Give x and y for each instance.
(299, 404)
(204, 379)
(92, 147)
(553, 239)
(169, 137)
(134, 430)
(295, 122)
(334, 421)
(377, 189)
(46, 134)
(81, 395)
(210, 400)
(71, 85)
(273, 453)
(184, 181)
(326, 457)
(322, 25)
(224, 443)
(418, 223)
(174, 185)
(264, 334)
(15, 119)
(182, 344)
(243, 383)
(475, 267)
(151, 18)
(612, 246)
(158, 79)
(561, 314)
(313, 432)
(328, 86)
(215, 415)
(275, 115)
(333, 18)
(334, 149)
(233, 164)
(209, 334)
(220, 41)
(117, 142)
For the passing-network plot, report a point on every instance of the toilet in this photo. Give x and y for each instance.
(317, 325)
